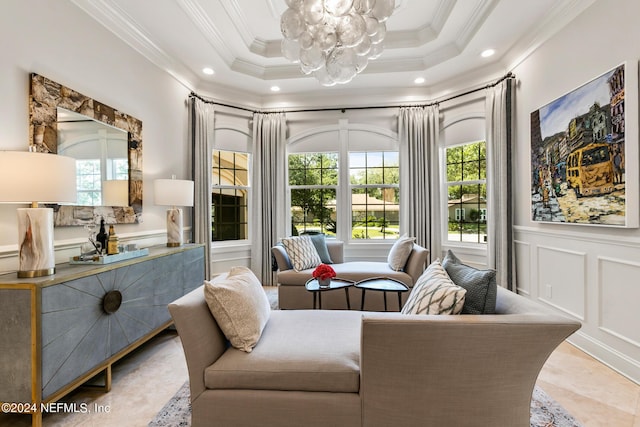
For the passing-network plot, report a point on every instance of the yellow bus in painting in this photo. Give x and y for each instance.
(590, 170)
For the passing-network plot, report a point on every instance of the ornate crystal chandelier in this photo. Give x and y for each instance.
(334, 39)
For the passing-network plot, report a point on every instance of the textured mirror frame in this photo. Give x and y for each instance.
(45, 96)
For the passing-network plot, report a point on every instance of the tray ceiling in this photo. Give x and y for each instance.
(439, 40)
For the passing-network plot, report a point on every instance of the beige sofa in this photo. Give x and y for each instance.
(348, 368)
(293, 295)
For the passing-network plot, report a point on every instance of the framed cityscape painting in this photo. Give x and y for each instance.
(583, 162)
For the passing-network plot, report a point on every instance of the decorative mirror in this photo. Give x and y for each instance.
(107, 146)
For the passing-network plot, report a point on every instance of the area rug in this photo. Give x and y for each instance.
(545, 412)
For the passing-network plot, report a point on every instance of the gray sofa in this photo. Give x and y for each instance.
(348, 368)
(293, 295)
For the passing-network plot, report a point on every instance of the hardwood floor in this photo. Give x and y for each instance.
(146, 379)
(592, 392)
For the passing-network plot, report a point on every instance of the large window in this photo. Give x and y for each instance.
(466, 182)
(370, 199)
(230, 194)
(375, 208)
(313, 180)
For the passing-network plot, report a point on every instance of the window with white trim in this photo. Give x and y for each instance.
(372, 201)
(230, 196)
(375, 200)
(313, 185)
(466, 192)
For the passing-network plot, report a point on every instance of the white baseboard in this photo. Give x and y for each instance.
(607, 355)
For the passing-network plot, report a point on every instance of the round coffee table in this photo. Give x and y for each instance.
(313, 286)
(382, 284)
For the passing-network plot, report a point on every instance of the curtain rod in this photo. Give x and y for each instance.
(509, 75)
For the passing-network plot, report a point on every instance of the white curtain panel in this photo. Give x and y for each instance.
(269, 209)
(418, 130)
(499, 117)
(201, 125)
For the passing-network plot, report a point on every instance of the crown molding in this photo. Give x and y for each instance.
(114, 18)
(199, 17)
(562, 13)
(239, 21)
(478, 17)
(109, 14)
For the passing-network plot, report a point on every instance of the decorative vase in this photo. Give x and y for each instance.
(324, 283)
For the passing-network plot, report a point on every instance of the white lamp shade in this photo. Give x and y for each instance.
(27, 177)
(115, 193)
(173, 192)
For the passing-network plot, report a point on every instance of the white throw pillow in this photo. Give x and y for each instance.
(302, 252)
(240, 306)
(399, 253)
(435, 293)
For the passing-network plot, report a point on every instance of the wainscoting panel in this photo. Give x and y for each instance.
(225, 256)
(593, 276)
(561, 279)
(523, 267)
(619, 298)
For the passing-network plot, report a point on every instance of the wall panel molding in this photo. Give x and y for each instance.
(620, 238)
(617, 299)
(561, 277)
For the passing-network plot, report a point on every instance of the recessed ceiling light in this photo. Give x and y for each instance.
(275, 89)
(419, 80)
(208, 71)
(487, 53)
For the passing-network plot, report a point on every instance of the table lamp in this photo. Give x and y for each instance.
(115, 192)
(173, 192)
(30, 177)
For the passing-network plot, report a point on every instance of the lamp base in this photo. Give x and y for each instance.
(174, 228)
(35, 231)
(30, 274)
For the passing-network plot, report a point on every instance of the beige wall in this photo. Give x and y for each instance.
(59, 41)
(587, 272)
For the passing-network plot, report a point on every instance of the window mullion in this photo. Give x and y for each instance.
(343, 192)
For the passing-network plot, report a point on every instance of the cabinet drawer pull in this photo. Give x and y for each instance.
(111, 301)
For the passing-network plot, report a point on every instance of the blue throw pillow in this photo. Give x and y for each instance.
(321, 246)
(481, 285)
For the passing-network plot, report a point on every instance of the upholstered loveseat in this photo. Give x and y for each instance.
(348, 368)
(293, 295)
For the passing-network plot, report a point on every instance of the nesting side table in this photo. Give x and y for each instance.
(313, 286)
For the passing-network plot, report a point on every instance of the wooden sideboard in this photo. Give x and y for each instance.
(59, 331)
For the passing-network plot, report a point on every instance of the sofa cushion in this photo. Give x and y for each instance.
(435, 293)
(481, 285)
(353, 270)
(300, 350)
(239, 305)
(302, 252)
(399, 252)
(319, 241)
(280, 259)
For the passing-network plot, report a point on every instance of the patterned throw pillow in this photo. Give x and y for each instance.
(399, 253)
(302, 252)
(435, 293)
(240, 306)
(481, 285)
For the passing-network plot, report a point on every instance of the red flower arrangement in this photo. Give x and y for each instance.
(323, 272)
